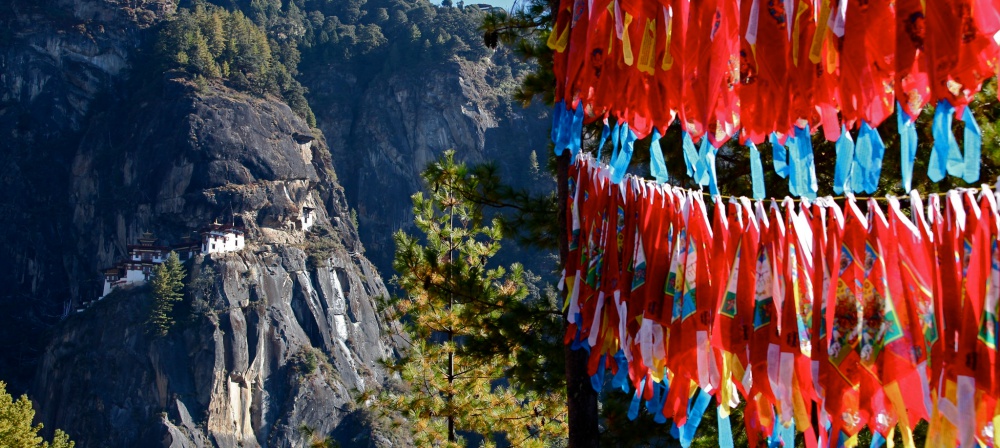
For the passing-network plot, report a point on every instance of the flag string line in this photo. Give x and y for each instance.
(842, 197)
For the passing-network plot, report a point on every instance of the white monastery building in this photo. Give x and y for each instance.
(220, 238)
(307, 218)
(137, 267)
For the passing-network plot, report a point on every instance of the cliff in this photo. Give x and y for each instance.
(61, 60)
(286, 332)
(385, 129)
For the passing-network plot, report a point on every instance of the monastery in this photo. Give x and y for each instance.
(136, 269)
(220, 238)
(307, 218)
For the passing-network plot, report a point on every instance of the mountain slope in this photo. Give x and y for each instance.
(236, 371)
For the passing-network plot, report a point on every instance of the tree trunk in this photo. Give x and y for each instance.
(581, 400)
(451, 331)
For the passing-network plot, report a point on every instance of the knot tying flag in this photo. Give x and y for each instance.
(945, 154)
(973, 147)
(756, 172)
(907, 145)
(845, 163)
(657, 165)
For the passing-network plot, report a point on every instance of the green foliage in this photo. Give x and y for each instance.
(168, 290)
(200, 289)
(321, 243)
(326, 442)
(526, 29)
(469, 322)
(307, 360)
(258, 45)
(211, 42)
(382, 426)
(354, 218)
(15, 424)
(378, 34)
(314, 440)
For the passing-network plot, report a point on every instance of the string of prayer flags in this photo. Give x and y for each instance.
(824, 318)
(779, 70)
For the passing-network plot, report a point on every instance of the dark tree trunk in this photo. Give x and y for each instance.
(581, 404)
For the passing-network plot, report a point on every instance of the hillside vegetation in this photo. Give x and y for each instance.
(258, 45)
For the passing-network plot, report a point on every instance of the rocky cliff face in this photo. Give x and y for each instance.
(384, 131)
(58, 59)
(286, 333)
(276, 361)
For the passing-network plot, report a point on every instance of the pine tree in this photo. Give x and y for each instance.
(201, 60)
(15, 424)
(215, 34)
(457, 306)
(168, 290)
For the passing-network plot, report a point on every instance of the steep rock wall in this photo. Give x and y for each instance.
(384, 131)
(59, 59)
(234, 375)
(232, 372)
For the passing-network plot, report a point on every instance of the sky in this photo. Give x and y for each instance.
(505, 4)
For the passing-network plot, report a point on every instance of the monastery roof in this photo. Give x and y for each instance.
(124, 266)
(142, 247)
(222, 228)
(147, 241)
